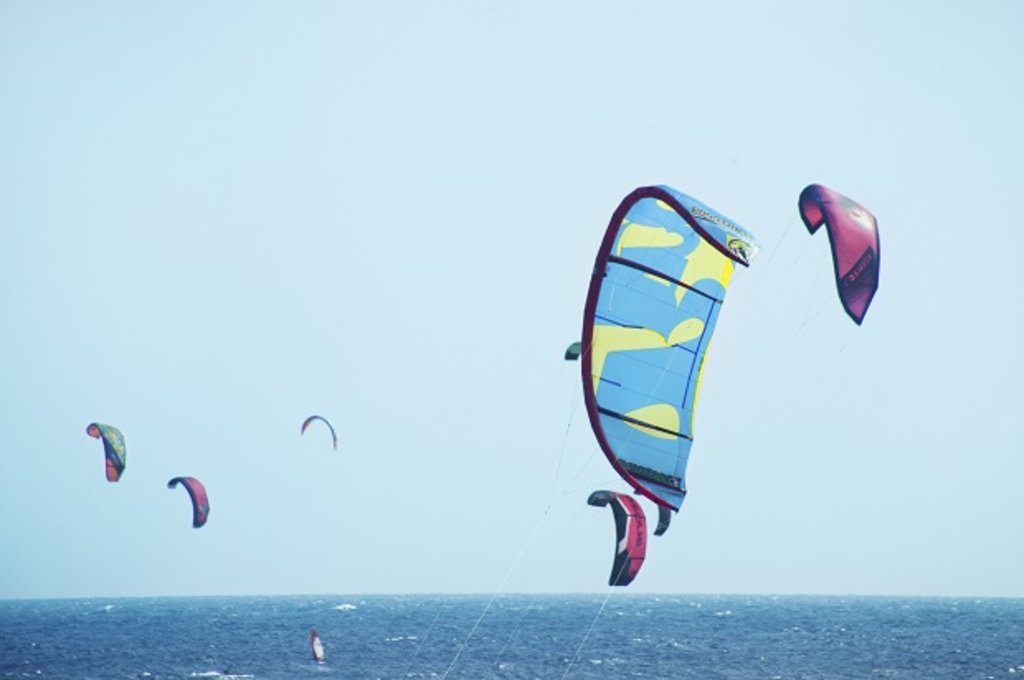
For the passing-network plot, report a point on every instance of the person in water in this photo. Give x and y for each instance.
(316, 646)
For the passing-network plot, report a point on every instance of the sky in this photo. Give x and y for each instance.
(219, 218)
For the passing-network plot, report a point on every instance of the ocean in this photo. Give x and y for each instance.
(619, 635)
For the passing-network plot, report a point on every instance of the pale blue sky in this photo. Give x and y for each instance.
(219, 218)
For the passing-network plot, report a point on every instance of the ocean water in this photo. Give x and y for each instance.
(514, 636)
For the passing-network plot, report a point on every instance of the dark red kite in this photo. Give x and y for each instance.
(630, 535)
(197, 492)
(853, 232)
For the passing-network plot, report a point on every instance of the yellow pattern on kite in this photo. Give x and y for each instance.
(664, 416)
(643, 236)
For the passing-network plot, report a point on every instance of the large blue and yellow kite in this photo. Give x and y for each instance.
(659, 280)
